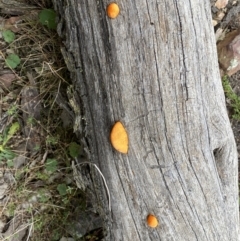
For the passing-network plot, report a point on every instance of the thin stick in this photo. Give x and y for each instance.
(19, 230)
(104, 180)
(30, 231)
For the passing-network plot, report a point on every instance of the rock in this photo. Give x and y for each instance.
(221, 3)
(220, 34)
(31, 107)
(66, 118)
(30, 103)
(9, 177)
(2, 225)
(6, 79)
(3, 189)
(83, 222)
(229, 52)
(19, 161)
(220, 16)
(16, 230)
(214, 22)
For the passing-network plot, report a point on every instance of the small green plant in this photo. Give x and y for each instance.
(5, 153)
(31, 120)
(11, 208)
(62, 189)
(12, 61)
(52, 140)
(12, 110)
(47, 17)
(234, 98)
(11, 132)
(51, 165)
(74, 149)
(43, 197)
(10, 163)
(8, 36)
(42, 176)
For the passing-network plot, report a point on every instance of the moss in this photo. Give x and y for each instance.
(232, 97)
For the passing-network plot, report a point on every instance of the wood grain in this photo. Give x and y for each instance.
(155, 69)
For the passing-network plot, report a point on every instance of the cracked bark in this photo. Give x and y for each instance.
(155, 69)
(15, 7)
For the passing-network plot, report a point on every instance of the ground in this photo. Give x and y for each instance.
(39, 197)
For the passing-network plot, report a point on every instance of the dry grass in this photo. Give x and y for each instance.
(42, 196)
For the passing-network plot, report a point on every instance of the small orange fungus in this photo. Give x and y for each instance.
(152, 221)
(119, 138)
(113, 10)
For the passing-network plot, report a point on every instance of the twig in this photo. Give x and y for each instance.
(104, 180)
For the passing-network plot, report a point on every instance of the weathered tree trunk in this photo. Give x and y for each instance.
(15, 7)
(155, 69)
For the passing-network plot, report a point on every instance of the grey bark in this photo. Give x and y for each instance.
(15, 7)
(155, 69)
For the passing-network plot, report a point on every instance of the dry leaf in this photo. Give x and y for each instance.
(7, 79)
(12, 24)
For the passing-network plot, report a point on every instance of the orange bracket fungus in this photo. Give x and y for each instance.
(113, 10)
(152, 221)
(119, 138)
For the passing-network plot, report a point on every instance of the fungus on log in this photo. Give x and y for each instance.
(155, 68)
(119, 138)
(152, 221)
(113, 10)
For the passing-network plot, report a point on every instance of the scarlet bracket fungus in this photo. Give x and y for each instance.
(152, 221)
(119, 138)
(113, 10)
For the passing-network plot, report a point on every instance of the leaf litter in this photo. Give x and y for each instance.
(38, 193)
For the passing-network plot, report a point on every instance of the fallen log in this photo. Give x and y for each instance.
(154, 69)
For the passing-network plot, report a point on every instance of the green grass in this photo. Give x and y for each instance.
(232, 97)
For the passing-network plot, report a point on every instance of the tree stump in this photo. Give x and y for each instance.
(154, 68)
